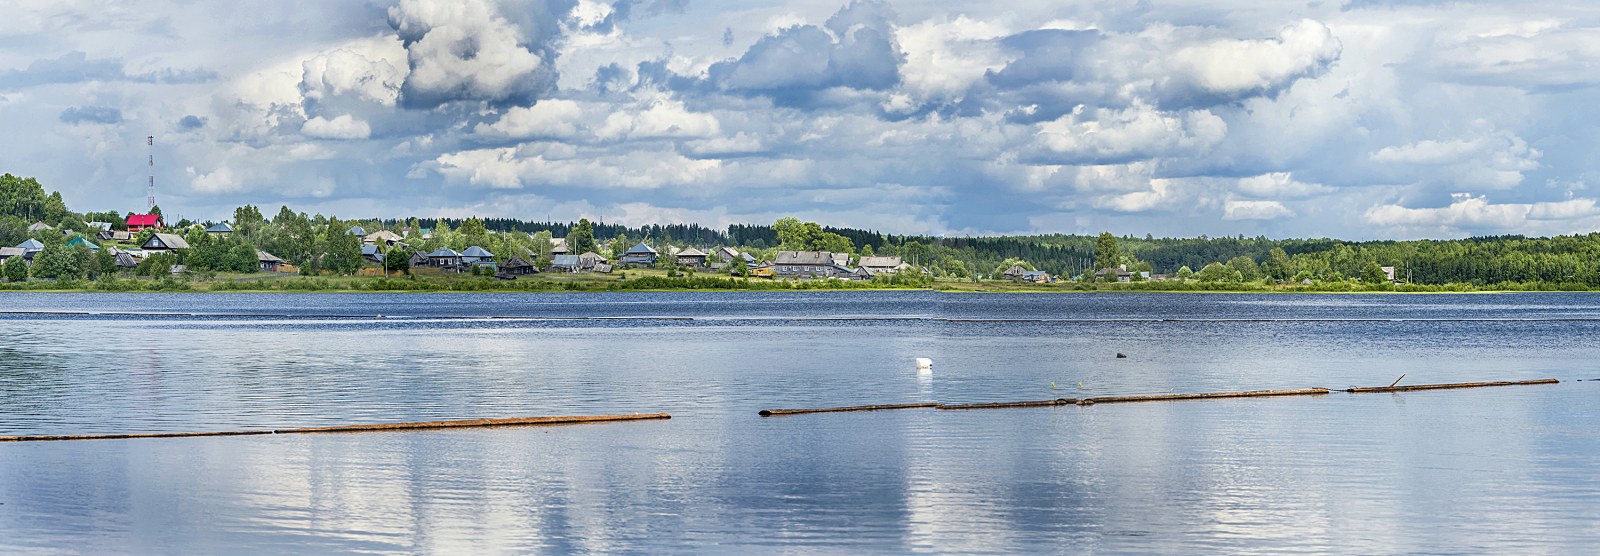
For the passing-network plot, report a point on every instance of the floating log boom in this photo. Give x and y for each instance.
(778, 412)
(423, 425)
(1001, 405)
(1381, 389)
(1205, 396)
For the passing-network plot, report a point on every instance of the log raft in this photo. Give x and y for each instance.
(1001, 405)
(421, 425)
(1381, 389)
(778, 412)
(1204, 396)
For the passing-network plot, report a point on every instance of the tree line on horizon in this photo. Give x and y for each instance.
(319, 243)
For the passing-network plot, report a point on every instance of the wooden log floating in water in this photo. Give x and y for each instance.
(1002, 405)
(1205, 396)
(423, 425)
(1381, 389)
(777, 412)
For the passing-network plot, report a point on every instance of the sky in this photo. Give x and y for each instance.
(1358, 119)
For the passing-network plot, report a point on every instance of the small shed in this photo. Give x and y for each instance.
(268, 261)
(589, 259)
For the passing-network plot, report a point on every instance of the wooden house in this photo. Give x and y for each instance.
(881, 265)
(445, 257)
(138, 222)
(477, 256)
(519, 267)
(808, 264)
(381, 237)
(566, 263)
(692, 257)
(164, 242)
(639, 255)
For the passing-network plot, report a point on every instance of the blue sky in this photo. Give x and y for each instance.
(1344, 118)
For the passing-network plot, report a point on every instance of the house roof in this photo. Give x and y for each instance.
(80, 240)
(144, 219)
(125, 259)
(172, 241)
(565, 260)
(884, 262)
(691, 252)
(36, 226)
(369, 250)
(356, 231)
(220, 228)
(443, 252)
(591, 255)
(100, 226)
(602, 268)
(31, 245)
(517, 262)
(804, 257)
(384, 235)
(478, 252)
(265, 257)
(727, 252)
(8, 252)
(641, 249)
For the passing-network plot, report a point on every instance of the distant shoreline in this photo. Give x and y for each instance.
(364, 284)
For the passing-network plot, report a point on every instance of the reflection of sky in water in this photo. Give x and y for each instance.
(1498, 470)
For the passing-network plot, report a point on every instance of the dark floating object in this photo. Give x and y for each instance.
(777, 412)
(1121, 356)
(422, 425)
(998, 405)
(1205, 396)
(1380, 389)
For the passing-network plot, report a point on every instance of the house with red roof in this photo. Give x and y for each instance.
(137, 222)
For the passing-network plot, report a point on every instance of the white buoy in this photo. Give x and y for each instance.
(924, 365)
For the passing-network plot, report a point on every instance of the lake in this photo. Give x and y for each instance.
(1485, 470)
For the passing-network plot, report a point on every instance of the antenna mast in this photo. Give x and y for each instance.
(150, 192)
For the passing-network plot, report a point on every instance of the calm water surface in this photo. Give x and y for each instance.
(1491, 470)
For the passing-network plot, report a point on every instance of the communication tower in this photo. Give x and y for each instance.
(150, 192)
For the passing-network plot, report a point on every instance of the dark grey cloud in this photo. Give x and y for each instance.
(91, 114)
(474, 50)
(855, 49)
(191, 122)
(77, 67)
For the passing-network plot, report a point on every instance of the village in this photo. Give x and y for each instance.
(145, 238)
